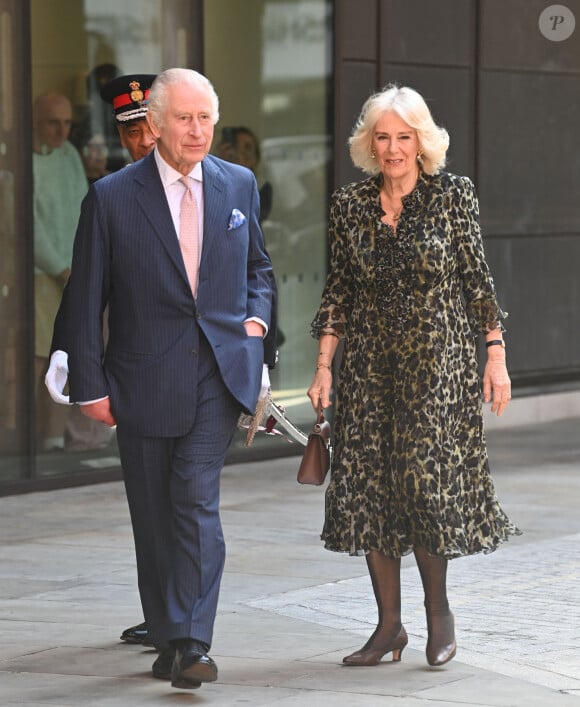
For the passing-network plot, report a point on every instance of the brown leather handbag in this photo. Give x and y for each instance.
(316, 460)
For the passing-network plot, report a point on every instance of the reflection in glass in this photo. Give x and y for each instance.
(76, 141)
(278, 88)
(8, 343)
(60, 186)
(13, 283)
(6, 101)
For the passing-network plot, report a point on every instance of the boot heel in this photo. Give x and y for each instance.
(397, 654)
(372, 656)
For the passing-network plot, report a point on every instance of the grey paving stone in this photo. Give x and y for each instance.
(290, 610)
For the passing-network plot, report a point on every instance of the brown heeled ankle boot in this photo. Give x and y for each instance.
(441, 645)
(371, 654)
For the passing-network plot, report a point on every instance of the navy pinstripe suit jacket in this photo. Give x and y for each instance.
(127, 255)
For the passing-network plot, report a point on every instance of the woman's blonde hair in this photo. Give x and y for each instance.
(410, 107)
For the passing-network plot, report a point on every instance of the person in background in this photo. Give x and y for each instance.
(241, 145)
(94, 156)
(407, 293)
(129, 97)
(173, 247)
(60, 185)
(93, 117)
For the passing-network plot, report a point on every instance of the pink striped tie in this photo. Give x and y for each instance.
(188, 234)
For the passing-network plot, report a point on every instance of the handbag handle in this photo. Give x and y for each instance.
(322, 427)
(316, 459)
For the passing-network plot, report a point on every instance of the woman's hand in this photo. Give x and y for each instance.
(496, 383)
(320, 388)
(322, 383)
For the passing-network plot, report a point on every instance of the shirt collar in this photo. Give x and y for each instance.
(170, 176)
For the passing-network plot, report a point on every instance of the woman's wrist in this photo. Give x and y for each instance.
(497, 355)
(495, 346)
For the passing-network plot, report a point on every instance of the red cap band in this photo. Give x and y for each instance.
(125, 99)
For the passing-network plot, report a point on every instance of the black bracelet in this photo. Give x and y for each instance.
(495, 342)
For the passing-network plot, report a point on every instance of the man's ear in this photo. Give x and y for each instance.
(154, 129)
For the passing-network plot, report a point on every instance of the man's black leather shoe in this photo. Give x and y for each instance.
(136, 634)
(163, 664)
(191, 667)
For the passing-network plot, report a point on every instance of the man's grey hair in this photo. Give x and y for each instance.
(171, 77)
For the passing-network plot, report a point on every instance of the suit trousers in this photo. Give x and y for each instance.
(173, 491)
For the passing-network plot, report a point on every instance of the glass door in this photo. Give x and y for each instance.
(15, 253)
(76, 47)
(274, 87)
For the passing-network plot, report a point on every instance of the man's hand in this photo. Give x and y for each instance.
(56, 377)
(100, 411)
(254, 329)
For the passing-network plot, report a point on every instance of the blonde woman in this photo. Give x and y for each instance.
(408, 292)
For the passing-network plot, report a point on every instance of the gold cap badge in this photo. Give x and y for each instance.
(136, 92)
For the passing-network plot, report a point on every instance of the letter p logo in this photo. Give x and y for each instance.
(556, 23)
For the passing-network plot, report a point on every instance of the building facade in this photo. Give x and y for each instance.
(501, 75)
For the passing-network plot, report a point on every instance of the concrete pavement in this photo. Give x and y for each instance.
(289, 609)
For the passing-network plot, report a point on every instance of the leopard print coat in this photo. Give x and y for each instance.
(410, 465)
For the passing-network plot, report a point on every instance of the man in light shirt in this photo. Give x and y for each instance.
(185, 353)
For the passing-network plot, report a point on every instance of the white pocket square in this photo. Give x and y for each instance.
(237, 219)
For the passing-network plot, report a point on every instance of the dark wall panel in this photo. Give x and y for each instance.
(510, 99)
(529, 153)
(538, 284)
(419, 32)
(356, 29)
(512, 38)
(357, 82)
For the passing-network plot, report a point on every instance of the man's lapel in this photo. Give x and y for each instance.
(214, 215)
(152, 200)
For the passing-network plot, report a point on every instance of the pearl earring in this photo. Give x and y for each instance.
(373, 154)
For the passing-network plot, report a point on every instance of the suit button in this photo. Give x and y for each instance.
(194, 352)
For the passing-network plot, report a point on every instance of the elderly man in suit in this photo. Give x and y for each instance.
(172, 245)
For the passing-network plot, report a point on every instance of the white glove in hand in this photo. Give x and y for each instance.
(261, 406)
(265, 383)
(56, 377)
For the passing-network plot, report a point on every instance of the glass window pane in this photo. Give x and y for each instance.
(529, 103)
(76, 48)
(274, 80)
(14, 222)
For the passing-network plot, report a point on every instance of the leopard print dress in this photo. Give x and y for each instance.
(410, 465)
